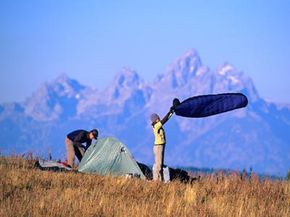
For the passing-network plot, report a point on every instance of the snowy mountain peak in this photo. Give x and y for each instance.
(188, 63)
(63, 77)
(54, 99)
(228, 78)
(127, 78)
(63, 85)
(191, 53)
(230, 73)
(182, 70)
(125, 85)
(225, 69)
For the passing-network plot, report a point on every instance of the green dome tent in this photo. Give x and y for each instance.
(108, 156)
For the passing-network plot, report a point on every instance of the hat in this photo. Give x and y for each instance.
(154, 117)
(95, 133)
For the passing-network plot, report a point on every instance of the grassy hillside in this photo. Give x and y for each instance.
(26, 191)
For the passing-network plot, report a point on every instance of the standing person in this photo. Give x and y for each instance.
(74, 143)
(159, 143)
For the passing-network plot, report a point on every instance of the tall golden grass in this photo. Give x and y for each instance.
(26, 191)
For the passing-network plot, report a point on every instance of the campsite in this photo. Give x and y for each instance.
(109, 181)
(28, 191)
(109, 156)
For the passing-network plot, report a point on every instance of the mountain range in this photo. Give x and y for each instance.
(256, 137)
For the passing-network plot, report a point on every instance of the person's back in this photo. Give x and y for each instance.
(79, 136)
(72, 135)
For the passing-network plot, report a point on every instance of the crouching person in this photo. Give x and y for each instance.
(74, 144)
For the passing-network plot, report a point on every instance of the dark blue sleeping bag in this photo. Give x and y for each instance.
(207, 105)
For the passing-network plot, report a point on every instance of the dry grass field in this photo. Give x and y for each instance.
(26, 191)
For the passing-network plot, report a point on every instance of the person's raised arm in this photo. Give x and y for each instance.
(167, 116)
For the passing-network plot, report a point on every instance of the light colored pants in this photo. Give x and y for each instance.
(70, 151)
(158, 162)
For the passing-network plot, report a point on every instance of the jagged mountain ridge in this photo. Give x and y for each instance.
(239, 139)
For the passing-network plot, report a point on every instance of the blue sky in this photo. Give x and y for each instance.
(92, 40)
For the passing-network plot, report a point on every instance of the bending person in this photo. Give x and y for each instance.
(74, 144)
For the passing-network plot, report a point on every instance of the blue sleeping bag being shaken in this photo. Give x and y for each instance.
(207, 105)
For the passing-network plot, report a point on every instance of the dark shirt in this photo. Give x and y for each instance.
(80, 136)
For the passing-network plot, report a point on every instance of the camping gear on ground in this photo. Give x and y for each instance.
(181, 175)
(207, 105)
(109, 156)
(166, 174)
(146, 170)
(50, 165)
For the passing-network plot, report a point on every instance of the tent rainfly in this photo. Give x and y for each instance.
(109, 156)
